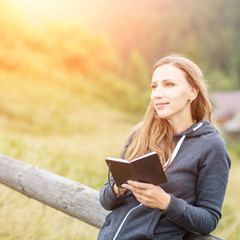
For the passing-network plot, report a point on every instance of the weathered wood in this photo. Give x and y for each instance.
(63, 194)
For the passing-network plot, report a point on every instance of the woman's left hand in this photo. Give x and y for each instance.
(149, 194)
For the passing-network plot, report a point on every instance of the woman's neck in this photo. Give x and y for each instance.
(180, 126)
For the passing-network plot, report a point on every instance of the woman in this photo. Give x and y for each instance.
(177, 127)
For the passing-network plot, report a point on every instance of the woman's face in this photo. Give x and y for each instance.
(171, 94)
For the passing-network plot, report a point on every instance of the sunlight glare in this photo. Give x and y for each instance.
(40, 12)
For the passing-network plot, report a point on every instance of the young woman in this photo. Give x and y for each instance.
(177, 127)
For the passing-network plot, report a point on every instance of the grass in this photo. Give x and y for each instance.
(77, 156)
(229, 225)
(24, 218)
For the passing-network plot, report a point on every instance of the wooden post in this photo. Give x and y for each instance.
(63, 194)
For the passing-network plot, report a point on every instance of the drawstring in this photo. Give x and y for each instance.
(109, 183)
(109, 174)
(174, 154)
(197, 127)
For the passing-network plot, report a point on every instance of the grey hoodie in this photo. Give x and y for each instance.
(197, 181)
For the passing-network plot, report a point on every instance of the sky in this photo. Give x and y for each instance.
(41, 11)
(97, 14)
(120, 20)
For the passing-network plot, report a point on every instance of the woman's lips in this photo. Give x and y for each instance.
(160, 105)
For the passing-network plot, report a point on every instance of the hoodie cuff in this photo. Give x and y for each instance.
(176, 208)
(115, 197)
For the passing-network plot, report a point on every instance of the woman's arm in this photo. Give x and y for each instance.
(204, 216)
(108, 196)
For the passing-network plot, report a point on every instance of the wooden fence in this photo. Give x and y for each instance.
(65, 195)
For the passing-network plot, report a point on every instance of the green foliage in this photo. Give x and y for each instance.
(220, 81)
(49, 64)
(206, 31)
(233, 147)
(137, 71)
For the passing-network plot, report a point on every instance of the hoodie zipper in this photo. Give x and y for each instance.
(124, 220)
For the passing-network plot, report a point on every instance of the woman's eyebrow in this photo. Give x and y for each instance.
(168, 79)
(164, 80)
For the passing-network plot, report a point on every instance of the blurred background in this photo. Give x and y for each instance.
(75, 77)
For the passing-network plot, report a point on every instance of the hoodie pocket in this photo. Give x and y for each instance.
(139, 223)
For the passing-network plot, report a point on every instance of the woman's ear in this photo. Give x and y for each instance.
(194, 93)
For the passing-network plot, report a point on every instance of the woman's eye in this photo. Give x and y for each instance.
(169, 84)
(153, 86)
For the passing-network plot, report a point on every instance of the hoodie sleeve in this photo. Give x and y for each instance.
(108, 199)
(210, 190)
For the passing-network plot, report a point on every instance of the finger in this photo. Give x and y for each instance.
(141, 198)
(140, 185)
(127, 186)
(132, 188)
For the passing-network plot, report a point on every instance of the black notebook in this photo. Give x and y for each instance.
(146, 168)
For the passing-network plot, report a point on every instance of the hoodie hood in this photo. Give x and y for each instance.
(196, 130)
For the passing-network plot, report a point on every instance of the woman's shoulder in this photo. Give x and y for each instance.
(213, 139)
(209, 135)
(214, 148)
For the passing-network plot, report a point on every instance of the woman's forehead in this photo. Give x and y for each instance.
(168, 72)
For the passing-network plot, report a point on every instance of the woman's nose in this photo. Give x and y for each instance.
(157, 92)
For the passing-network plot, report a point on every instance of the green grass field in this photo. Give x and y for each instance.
(229, 226)
(78, 156)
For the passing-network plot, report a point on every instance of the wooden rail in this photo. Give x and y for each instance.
(63, 194)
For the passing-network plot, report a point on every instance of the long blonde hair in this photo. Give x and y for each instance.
(155, 133)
